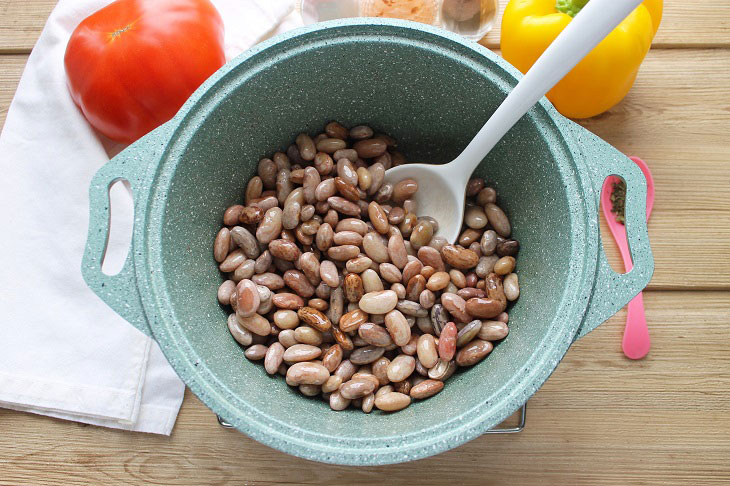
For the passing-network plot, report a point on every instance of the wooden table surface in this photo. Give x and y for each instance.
(601, 418)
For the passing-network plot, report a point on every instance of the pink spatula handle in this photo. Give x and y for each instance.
(636, 342)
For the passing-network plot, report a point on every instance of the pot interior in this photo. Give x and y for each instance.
(432, 95)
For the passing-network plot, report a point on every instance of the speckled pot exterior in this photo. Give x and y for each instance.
(432, 91)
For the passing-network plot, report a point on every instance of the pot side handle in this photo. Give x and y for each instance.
(611, 290)
(120, 291)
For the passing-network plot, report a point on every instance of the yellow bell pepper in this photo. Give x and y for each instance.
(604, 76)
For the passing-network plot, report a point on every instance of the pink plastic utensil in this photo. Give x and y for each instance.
(636, 342)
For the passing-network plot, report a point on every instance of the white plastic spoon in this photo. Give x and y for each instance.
(442, 187)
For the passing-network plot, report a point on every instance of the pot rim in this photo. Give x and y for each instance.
(288, 437)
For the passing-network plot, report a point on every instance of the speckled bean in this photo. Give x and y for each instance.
(332, 358)
(270, 226)
(371, 281)
(504, 265)
(307, 374)
(256, 323)
(458, 257)
(473, 352)
(367, 354)
(398, 327)
(468, 332)
(498, 219)
(431, 257)
(427, 350)
(271, 280)
(415, 286)
(447, 342)
(222, 245)
(337, 304)
(511, 286)
(353, 286)
(374, 334)
(411, 308)
(345, 370)
(392, 402)
(358, 264)
(301, 352)
(247, 298)
(256, 352)
(242, 335)
(343, 252)
(325, 237)
(379, 302)
(274, 357)
(352, 320)
(426, 389)
(375, 248)
(225, 290)
(308, 335)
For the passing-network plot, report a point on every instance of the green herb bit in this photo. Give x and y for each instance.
(618, 200)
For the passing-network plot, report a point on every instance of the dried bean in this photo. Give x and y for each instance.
(308, 335)
(374, 334)
(380, 302)
(287, 300)
(307, 374)
(473, 352)
(398, 327)
(342, 339)
(301, 352)
(483, 307)
(457, 257)
(274, 357)
(411, 308)
(330, 145)
(431, 257)
(511, 286)
(357, 388)
(352, 320)
(256, 352)
(242, 335)
(332, 358)
(504, 265)
(468, 332)
(366, 355)
(498, 219)
(343, 252)
(221, 245)
(375, 248)
(256, 323)
(353, 286)
(314, 318)
(392, 402)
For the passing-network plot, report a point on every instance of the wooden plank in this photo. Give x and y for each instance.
(11, 67)
(599, 419)
(21, 23)
(679, 125)
(677, 117)
(685, 24)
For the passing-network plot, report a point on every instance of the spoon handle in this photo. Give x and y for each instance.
(589, 27)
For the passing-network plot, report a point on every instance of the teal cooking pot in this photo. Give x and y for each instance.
(432, 91)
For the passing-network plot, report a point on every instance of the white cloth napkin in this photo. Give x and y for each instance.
(63, 352)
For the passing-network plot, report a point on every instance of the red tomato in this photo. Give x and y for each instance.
(132, 64)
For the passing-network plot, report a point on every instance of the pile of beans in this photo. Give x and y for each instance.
(336, 284)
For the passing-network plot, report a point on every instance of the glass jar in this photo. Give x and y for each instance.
(471, 18)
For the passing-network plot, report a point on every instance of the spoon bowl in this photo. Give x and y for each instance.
(442, 187)
(440, 194)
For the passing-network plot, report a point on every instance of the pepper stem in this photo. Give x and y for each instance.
(570, 7)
